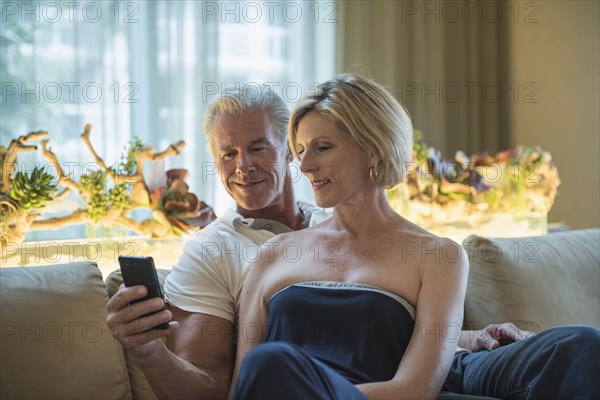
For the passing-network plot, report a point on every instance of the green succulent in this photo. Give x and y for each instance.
(101, 200)
(32, 191)
(420, 149)
(117, 196)
(98, 203)
(128, 162)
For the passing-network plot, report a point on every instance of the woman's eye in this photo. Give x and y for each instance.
(259, 149)
(323, 148)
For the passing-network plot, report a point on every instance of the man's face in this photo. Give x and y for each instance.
(251, 159)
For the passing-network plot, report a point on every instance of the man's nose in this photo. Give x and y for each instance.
(245, 164)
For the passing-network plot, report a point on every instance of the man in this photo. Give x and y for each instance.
(247, 134)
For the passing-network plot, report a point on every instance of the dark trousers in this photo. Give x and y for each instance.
(559, 363)
(279, 370)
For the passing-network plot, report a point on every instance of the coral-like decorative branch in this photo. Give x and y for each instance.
(76, 218)
(117, 178)
(63, 179)
(175, 210)
(9, 156)
(148, 154)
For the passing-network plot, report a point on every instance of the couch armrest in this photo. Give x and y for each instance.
(55, 342)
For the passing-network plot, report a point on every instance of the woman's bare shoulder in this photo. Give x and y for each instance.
(422, 245)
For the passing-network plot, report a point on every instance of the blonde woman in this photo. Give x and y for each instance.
(347, 312)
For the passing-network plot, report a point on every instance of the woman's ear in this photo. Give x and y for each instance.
(374, 161)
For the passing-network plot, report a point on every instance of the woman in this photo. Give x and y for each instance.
(366, 304)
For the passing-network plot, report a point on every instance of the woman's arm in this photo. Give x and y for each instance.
(252, 321)
(438, 322)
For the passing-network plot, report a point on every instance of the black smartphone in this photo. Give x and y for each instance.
(141, 271)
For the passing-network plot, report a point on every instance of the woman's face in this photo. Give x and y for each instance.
(335, 164)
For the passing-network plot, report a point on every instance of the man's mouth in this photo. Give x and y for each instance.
(248, 184)
(320, 183)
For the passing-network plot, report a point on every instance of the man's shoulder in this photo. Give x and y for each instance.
(222, 226)
(314, 213)
(232, 228)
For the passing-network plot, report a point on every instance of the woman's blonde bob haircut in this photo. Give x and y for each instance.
(370, 115)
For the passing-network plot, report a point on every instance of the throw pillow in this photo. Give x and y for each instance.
(535, 282)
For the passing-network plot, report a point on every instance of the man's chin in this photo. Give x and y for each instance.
(251, 205)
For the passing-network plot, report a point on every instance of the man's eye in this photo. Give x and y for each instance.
(227, 156)
(259, 149)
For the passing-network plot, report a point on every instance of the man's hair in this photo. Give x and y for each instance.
(370, 115)
(235, 100)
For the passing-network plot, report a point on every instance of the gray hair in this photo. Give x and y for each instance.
(236, 100)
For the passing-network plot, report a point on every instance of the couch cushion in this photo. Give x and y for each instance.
(114, 280)
(55, 342)
(534, 282)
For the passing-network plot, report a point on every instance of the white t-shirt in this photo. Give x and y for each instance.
(209, 275)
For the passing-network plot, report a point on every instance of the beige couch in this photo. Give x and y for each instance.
(55, 343)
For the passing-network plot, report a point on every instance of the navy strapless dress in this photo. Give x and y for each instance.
(325, 337)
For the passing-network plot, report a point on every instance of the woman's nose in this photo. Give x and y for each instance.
(307, 164)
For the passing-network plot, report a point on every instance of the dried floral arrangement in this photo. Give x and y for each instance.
(467, 189)
(108, 194)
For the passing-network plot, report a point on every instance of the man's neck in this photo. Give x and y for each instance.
(289, 213)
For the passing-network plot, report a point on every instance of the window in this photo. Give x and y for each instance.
(148, 69)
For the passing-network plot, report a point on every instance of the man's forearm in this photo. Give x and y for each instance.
(172, 377)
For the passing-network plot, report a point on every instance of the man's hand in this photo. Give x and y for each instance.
(131, 327)
(492, 336)
(195, 368)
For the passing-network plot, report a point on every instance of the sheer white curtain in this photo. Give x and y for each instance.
(149, 69)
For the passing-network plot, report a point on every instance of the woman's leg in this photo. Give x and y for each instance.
(280, 370)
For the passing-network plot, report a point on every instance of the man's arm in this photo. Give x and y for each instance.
(201, 354)
(201, 360)
(492, 336)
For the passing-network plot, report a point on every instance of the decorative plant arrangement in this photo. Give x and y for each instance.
(108, 194)
(469, 192)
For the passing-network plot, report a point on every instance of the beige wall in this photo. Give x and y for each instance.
(559, 54)
(544, 51)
